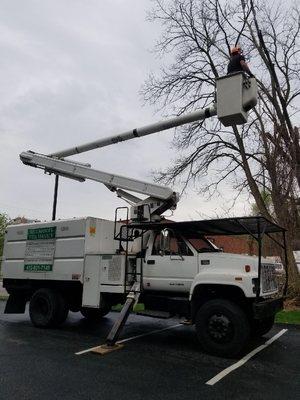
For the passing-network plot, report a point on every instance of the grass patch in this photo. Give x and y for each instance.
(288, 317)
(138, 307)
(3, 297)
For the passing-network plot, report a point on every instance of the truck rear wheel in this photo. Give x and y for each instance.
(222, 328)
(262, 326)
(94, 314)
(47, 308)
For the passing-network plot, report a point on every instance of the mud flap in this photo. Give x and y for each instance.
(15, 304)
(267, 308)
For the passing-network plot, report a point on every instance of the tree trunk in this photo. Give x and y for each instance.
(293, 274)
(285, 219)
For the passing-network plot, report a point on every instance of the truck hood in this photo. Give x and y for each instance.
(238, 261)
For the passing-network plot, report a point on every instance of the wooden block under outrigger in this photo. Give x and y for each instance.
(186, 322)
(105, 349)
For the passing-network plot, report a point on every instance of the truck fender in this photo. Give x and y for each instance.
(208, 291)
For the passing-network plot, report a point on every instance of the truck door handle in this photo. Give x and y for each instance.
(151, 262)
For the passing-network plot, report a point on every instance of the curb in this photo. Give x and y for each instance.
(287, 325)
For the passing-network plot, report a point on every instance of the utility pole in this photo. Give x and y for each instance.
(55, 198)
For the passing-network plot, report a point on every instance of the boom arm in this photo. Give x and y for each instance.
(138, 132)
(235, 97)
(160, 198)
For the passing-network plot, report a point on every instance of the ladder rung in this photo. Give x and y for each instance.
(133, 273)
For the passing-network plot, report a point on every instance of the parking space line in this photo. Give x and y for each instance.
(243, 360)
(131, 338)
(148, 333)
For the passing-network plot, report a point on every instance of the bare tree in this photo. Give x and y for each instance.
(261, 155)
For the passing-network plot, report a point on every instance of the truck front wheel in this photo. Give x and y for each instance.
(47, 308)
(222, 328)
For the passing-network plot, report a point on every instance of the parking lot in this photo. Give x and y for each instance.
(160, 364)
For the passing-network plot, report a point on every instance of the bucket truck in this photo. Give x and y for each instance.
(90, 264)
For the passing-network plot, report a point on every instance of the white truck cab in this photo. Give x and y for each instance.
(189, 261)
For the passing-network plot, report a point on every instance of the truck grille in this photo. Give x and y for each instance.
(268, 278)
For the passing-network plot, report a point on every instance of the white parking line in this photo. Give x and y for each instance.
(131, 338)
(243, 360)
(149, 333)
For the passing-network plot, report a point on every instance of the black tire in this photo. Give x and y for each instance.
(94, 314)
(63, 314)
(261, 327)
(47, 308)
(222, 328)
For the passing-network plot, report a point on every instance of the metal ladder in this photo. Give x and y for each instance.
(132, 278)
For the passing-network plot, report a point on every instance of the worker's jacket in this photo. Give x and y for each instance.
(235, 64)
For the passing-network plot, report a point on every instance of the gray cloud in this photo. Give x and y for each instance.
(70, 73)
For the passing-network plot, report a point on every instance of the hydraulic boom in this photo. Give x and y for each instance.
(139, 132)
(160, 198)
(235, 96)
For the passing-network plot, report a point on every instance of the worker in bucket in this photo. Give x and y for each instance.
(237, 62)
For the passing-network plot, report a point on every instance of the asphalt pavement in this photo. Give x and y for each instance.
(42, 364)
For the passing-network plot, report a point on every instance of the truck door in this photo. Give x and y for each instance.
(170, 263)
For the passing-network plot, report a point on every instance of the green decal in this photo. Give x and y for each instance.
(38, 267)
(41, 233)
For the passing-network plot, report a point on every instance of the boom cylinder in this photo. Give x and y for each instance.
(138, 132)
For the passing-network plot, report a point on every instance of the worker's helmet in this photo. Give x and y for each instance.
(235, 50)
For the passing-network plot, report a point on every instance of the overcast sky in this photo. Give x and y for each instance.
(71, 71)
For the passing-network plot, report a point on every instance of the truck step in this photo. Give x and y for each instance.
(155, 314)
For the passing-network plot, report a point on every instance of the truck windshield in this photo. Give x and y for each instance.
(202, 245)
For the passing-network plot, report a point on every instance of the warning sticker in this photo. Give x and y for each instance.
(92, 229)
